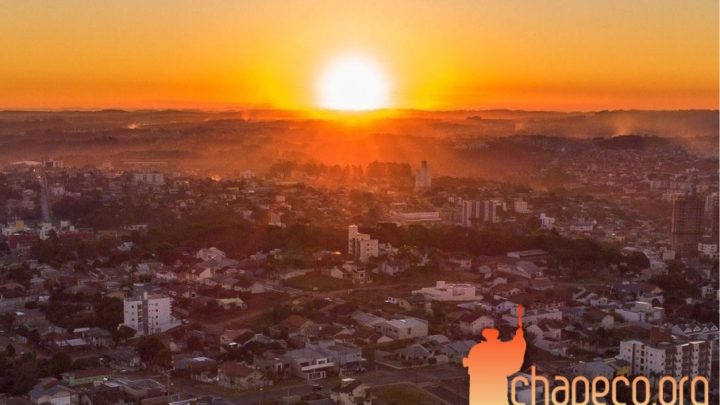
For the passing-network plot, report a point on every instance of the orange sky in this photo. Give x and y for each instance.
(566, 55)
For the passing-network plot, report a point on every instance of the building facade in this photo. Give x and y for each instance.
(149, 314)
(677, 360)
(687, 224)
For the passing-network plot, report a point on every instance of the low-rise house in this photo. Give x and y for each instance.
(300, 324)
(473, 323)
(403, 303)
(632, 291)
(367, 319)
(522, 268)
(541, 284)
(404, 328)
(506, 290)
(415, 352)
(641, 312)
(389, 268)
(344, 356)
(144, 390)
(185, 364)
(96, 337)
(50, 391)
(443, 291)
(696, 330)
(230, 303)
(86, 376)
(233, 335)
(271, 363)
(351, 392)
(548, 337)
(240, 377)
(123, 358)
(105, 395)
(249, 287)
(596, 319)
(308, 364)
(586, 297)
(456, 350)
(594, 369)
(533, 316)
(460, 261)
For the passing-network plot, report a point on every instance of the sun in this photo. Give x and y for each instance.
(353, 83)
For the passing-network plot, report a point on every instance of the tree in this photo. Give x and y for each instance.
(123, 333)
(194, 343)
(7, 320)
(59, 363)
(149, 347)
(10, 350)
(163, 358)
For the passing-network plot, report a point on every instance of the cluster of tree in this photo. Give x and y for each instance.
(632, 142)
(285, 169)
(20, 372)
(235, 236)
(107, 312)
(153, 352)
(93, 213)
(57, 250)
(389, 170)
(570, 253)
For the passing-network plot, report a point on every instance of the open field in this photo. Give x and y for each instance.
(313, 281)
(404, 394)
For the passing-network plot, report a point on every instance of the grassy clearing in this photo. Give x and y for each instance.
(311, 281)
(404, 394)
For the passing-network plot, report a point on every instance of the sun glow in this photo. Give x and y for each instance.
(353, 83)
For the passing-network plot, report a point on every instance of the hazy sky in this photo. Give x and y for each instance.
(437, 53)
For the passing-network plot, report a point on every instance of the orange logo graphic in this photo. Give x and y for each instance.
(489, 364)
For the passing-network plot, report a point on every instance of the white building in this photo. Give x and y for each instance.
(546, 222)
(415, 217)
(696, 330)
(360, 246)
(489, 208)
(470, 211)
(149, 178)
(405, 328)
(708, 248)
(211, 253)
(532, 316)
(641, 312)
(149, 314)
(673, 359)
(521, 206)
(423, 176)
(443, 291)
(50, 391)
(473, 324)
(309, 364)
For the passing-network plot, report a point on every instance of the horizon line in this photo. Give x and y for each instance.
(341, 112)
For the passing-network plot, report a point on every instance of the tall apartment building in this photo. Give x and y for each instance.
(149, 178)
(470, 211)
(711, 212)
(687, 224)
(655, 360)
(361, 247)
(489, 208)
(149, 314)
(423, 176)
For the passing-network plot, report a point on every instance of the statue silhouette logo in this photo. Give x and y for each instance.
(489, 364)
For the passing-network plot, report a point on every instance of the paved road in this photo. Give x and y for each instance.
(446, 376)
(44, 200)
